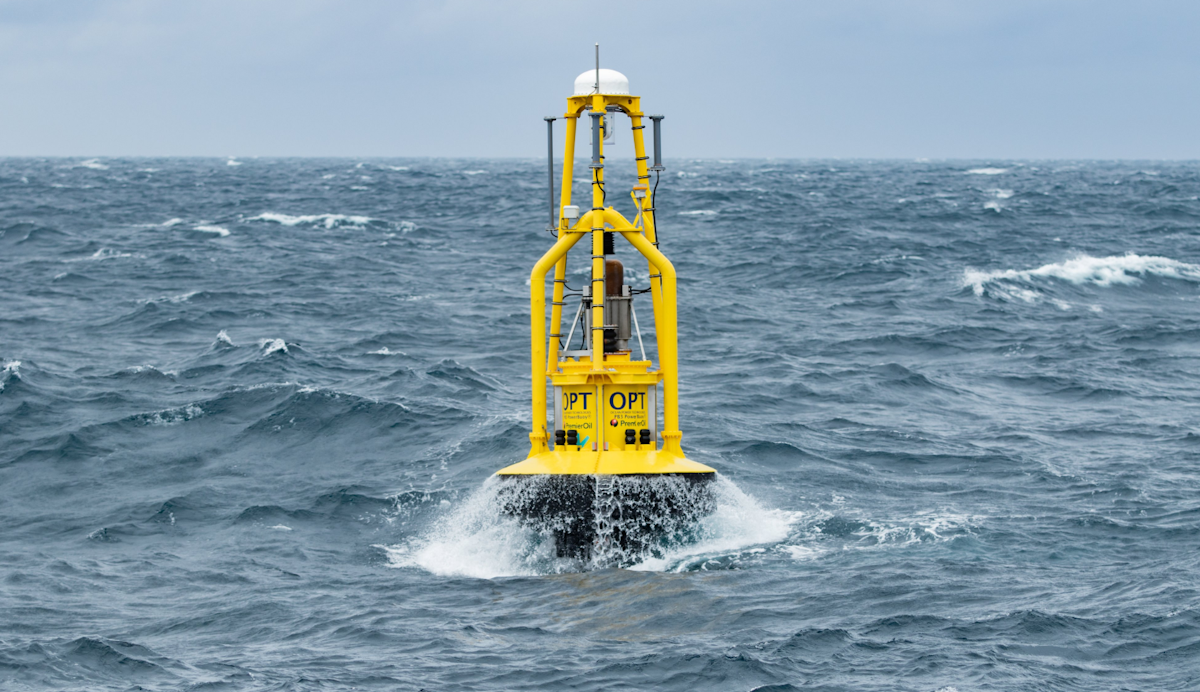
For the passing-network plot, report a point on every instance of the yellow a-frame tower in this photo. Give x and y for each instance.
(605, 403)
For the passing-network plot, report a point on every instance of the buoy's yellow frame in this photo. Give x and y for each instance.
(602, 368)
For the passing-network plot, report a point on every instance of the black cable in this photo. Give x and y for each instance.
(654, 201)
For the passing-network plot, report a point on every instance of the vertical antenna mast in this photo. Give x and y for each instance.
(597, 68)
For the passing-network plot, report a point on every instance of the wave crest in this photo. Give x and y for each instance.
(1101, 271)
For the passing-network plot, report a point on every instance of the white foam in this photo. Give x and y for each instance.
(93, 164)
(329, 176)
(397, 168)
(328, 220)
(174, 416)
(987, 171)
(280, 527)
(739, 524)
(994, 206)
(233, 162)
(170, 222)
(698, 212)
(180, 298)
(223, 338)
(474, 172)
(1101, 271)
(270, 346)
(101, 254)
(476, 539)
(1001, 194)
(11, 368)
(385, 352)
(803, 553)
(214, 229)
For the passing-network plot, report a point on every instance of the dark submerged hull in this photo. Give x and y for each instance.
(611, 520)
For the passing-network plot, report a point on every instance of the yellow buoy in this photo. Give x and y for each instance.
(600, 453)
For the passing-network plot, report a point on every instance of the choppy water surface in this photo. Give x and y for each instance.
(248, 411)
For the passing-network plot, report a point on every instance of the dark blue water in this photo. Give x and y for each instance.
(248, 414)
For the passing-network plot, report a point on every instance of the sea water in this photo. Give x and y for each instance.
(249, 410)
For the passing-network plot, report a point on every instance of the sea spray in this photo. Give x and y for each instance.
(482, 537)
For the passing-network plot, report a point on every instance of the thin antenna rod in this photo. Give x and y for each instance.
(550, 164)
(597, 68)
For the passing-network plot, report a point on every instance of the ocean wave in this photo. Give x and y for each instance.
(11, 371)
(270, 346)
(93, 164)
(102, 254)
(165, 224)
(214, 229)
(327, 220)
(1101, 271)
(987, 171)
(698, 212)
(170, 416)
(233, 162)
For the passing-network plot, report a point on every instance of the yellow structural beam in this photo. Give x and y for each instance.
(537, 341)
(604, 370)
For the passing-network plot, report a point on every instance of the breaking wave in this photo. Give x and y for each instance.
(326, 220)
(1101, 271)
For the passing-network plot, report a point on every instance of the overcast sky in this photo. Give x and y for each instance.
(844, 78)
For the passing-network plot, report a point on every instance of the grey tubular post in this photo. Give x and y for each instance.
(596, 139)
(550, 165)
(657, 119)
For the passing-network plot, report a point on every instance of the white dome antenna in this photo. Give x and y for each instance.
(600, 81)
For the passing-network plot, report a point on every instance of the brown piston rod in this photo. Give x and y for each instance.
(614, 277)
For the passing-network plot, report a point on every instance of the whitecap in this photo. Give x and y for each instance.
(473, 172)
(280, 527)
(1100, 271)
(987, 171)
(698, 212)
(270, 346)
(172, 416)
(327, 220)
(223, 338)
(385, 352)
(994, 206)
(397, 168)
(233, 162)
(101, 254)
(222, 232)
(329, 176)
(180, 298)
(1001, 194)
(93, 164)
(11, 369)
